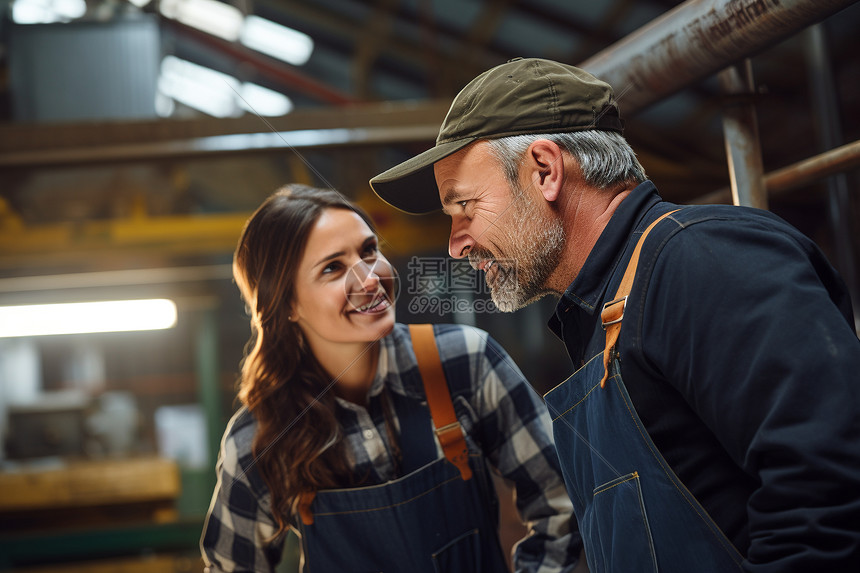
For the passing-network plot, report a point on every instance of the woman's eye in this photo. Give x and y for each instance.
(371, 249)
(330, 268)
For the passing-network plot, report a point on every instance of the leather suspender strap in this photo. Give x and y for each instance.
(305, 501)
(613, 311)
(448, 428)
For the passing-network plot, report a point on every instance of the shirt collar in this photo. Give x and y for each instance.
(589, 286)
(386, 367)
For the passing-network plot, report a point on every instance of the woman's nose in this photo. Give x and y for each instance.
(368, 276)
(371, 281)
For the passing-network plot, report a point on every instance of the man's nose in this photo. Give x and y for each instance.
(461, 241)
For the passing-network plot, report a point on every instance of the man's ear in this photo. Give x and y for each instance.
(546, 168)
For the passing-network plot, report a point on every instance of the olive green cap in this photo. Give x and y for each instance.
(519, 97)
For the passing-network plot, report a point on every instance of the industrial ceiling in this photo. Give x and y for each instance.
(96, 176)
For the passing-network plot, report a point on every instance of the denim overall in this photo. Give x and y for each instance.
(634, 513)
(430, 520)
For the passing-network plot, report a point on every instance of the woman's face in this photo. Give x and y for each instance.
(344, 286)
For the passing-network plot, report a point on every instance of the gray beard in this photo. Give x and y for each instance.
(536, 252)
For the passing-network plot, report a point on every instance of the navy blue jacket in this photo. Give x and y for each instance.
(739, 352)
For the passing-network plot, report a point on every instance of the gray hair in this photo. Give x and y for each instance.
(605, 157)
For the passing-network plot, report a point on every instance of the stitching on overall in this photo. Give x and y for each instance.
(598, 356)
(634, 476)
(647, 525)
(422, 494)
(578, 403)
(705, 518)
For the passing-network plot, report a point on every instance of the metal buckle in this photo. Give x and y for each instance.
(447, 427)
(622, 301)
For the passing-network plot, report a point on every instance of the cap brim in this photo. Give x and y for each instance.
(411, 186)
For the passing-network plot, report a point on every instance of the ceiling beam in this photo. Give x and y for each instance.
(403, 54)
(17, 138)
(219, 145)
(369, 45)
(482, 31)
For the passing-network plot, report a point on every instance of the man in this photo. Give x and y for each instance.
(721, 430)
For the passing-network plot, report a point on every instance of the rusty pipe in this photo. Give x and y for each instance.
(697, 39)
(740, 131)
(839, 160)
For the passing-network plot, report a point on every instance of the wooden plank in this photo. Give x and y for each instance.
(89, 483)
(153, 564)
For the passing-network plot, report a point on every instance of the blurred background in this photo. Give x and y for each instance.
(137, 136)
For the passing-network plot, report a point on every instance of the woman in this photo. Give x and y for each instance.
(335, 437)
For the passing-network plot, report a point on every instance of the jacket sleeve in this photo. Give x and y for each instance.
(757, 344)
(515, 431)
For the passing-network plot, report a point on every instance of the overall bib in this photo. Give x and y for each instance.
(634, 514)
(431, 520)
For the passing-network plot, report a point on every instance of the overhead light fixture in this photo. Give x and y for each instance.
(196, 86)
(263, 101)
(277, 41)
(87, 317)
(227, 22)
(47, 11)
(210, 16)
(215, 93)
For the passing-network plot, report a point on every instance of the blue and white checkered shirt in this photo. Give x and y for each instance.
(499, 411)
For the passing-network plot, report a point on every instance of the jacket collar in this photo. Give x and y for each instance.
(589, 286)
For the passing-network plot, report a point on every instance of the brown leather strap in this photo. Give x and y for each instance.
(613, 311)
(305, 501)
(448, 428)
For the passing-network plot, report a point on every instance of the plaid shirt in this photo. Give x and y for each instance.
(499, 411)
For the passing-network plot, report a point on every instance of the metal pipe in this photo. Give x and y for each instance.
(740, 129)
(825, 114)
(697, 39)
(839, 160)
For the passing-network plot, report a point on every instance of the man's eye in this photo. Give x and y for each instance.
(463, 204)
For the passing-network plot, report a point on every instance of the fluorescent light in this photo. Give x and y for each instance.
(164, 104)
(32, 12)
(264, 101)
(277, 41)
(70, 9)
(199, 87)
(210, 16)
(86, 317)
(47, 11)
(214, 93)
(227, 22)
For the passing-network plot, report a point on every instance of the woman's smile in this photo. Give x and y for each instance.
(344, 293)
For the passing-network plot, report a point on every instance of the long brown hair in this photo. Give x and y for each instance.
(298, 444)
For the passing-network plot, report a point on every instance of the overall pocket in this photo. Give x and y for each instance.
(616, 525)
(461, 555)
